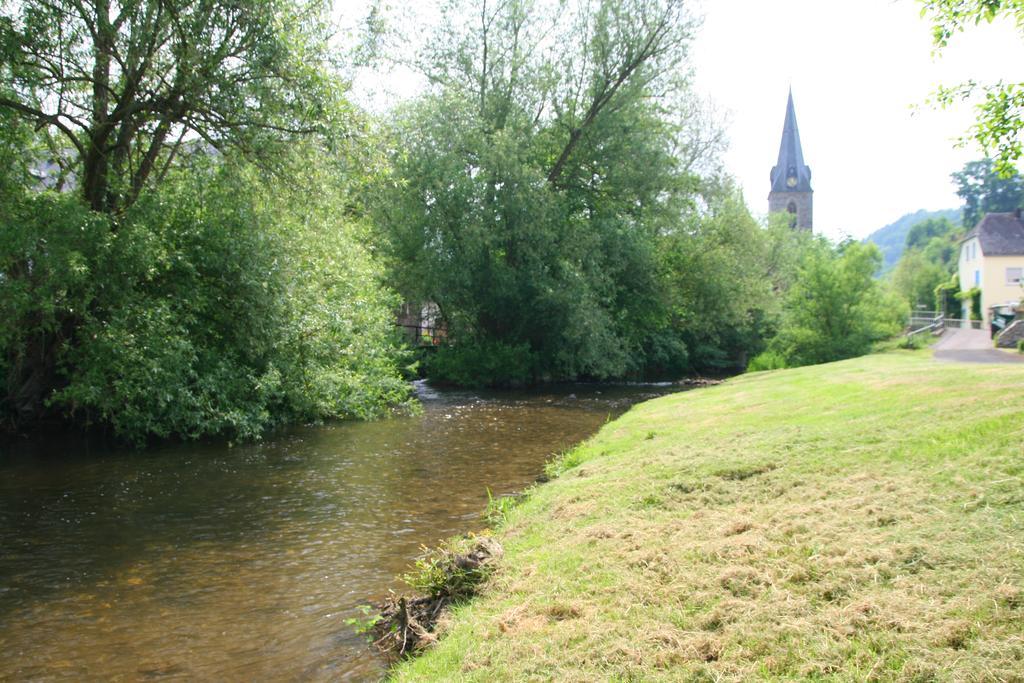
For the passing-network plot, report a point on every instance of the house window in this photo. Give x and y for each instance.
(977, 278)
(1013, 275)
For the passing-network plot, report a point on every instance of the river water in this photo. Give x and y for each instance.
(210, 562)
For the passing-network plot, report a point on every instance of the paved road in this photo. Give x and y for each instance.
(972, 346)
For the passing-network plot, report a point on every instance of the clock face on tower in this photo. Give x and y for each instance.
(791, 181)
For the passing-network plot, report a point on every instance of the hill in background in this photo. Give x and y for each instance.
(892, 238)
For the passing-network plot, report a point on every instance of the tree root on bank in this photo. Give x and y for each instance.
(406, 624)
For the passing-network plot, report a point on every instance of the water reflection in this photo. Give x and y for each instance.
(203, 561)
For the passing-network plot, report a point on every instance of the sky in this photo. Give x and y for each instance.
(858, 69)
(861, 72)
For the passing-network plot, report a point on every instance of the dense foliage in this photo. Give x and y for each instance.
(117, 86)
(182, 251)
(834, 308)
(719, 271)
(548, 196)
(215, 306)
(930, 256)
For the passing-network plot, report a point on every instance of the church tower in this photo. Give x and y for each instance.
(791, 178)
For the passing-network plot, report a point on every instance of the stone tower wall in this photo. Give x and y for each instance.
(779, 201)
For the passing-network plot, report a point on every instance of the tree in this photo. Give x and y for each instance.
(835, 308)
(1001, 112)
(533, 180)
(125, 84)
(184, 289)
(718, 275)
(221, 304)
(628, 47)
(933, 248)
(922, 233)
(916, 277)
(984, 190)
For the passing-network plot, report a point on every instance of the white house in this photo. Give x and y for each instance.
(992, 259)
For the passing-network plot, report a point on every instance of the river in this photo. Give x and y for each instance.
(210, 562)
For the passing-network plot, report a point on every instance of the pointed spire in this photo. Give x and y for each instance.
(790, 174)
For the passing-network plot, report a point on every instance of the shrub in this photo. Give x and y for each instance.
(917, 341)
(55, 267)
(455, 568)
(767, 360)
(835, 309)
(974, 296)
(486, 363)
(213, 306)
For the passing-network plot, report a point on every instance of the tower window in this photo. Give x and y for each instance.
(791, 207)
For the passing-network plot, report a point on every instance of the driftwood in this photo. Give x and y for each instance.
(407, 624)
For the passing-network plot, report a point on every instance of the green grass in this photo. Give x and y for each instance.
(853, 521)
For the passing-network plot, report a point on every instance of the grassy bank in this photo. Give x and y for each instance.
(850, 521)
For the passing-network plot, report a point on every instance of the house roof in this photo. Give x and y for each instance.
(1000, 234)
(791, 157)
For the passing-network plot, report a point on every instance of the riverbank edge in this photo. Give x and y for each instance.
(449, 574)
(462, 649)
(405, 625)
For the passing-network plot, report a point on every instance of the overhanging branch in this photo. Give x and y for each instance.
(45, 119)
